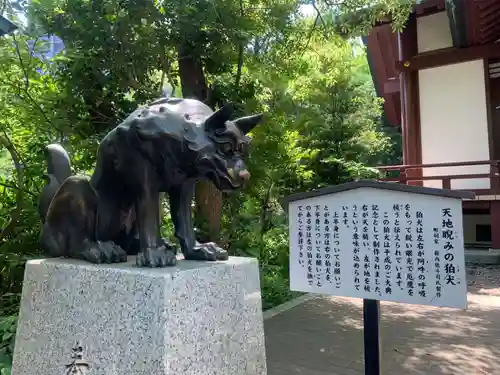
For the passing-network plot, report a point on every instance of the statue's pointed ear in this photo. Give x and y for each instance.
(218, 119)
(247, 123)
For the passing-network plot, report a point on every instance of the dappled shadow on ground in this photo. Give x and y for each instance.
(325, 336)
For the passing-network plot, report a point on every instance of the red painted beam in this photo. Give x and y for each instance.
(429, 7)
(449, 56)
(392, 86)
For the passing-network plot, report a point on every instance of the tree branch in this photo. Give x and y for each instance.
(310, 34)
(162, 83)
(237, 79)
(166, 66)
(12, 186)
(21, 62)
(319, 16)
(16, 214)
(132, 82)
(26, 88)
(240, 54)
(35, 41)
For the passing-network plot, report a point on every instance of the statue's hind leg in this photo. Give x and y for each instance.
(102, 252)
(50, 244)
(70, 227)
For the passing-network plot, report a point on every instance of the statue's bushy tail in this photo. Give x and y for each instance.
(58, 170)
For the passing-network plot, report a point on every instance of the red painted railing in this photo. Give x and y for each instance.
(412, 174)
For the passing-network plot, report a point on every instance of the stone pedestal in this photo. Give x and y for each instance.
(196, 318)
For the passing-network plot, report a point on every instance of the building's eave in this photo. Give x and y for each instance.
(6, 26)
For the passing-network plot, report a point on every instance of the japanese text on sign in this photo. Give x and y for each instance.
(390, 246)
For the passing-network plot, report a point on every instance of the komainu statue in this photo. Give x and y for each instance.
(164, 147)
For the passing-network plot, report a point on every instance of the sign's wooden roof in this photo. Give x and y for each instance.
(445, 193)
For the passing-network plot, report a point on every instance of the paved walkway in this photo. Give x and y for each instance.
(325, 336)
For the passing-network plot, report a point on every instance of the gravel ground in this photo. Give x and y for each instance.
(480, 276)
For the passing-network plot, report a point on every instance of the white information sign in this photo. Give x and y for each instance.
(379, 244)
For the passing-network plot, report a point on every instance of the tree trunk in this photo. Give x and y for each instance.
(209, 208)
(208, 198)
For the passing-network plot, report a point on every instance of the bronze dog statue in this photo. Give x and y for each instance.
(164, 147)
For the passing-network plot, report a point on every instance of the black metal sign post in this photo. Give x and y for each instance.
(371, 325)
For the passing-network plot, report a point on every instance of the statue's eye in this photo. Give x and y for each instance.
(227, 148)
(243, 148)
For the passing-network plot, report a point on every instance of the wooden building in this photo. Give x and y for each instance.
(440, 79)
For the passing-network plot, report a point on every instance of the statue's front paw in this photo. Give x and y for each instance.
(168, 245)
(156, 257)
(206, 251)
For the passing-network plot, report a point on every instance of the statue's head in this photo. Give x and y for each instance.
(186, 139)
(223, 161)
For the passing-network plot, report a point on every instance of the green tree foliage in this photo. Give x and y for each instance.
(321, 125)
(321, 112)
(25, 126)
(357, 17)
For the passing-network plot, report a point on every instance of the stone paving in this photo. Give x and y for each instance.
(325, 335)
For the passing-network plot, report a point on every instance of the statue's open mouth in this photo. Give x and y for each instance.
(223, 182)
(216, 171)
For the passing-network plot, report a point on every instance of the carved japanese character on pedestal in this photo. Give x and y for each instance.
(78, 365)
